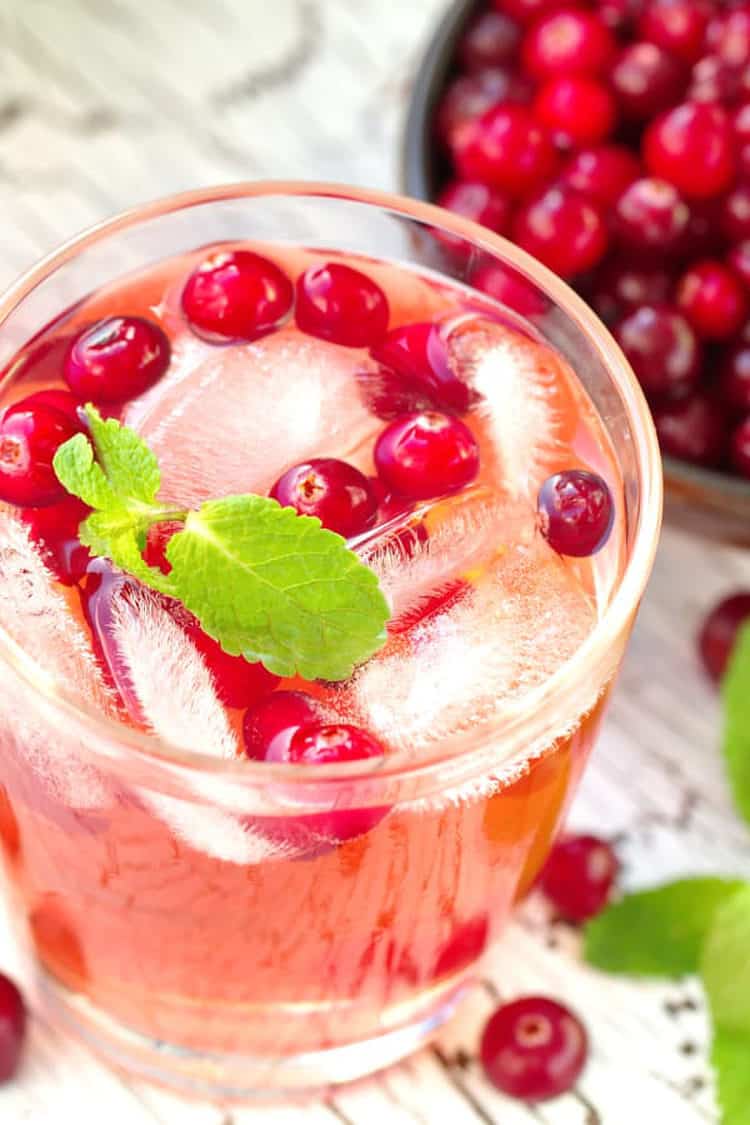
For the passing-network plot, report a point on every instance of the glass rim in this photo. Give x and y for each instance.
(99, 730)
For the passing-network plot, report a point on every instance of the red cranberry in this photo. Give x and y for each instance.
(622, 287)
(719, 632)
(619, 15)
(507, 148)
(341, 304)
(739, 448)
(470, 95)
(692, 429)
(477, 202)
(533, 1048)
(158, 537)
(701, 236)
(236, 295)
(337, 493)
(526, 11)
(651, 216)
(679, 26)
(713, 300)
(563, 230)
(116, 359)
(238, 683)
(735, 218)
(576, 512)
(54, 531)
(738, 261)
(12, 1027)
(741, 124)
(579, 876)
(731, 36)
(691, 146)
(465, 946)
(743, 162)
(508, 287)
(62, 401)
(734, 378)
(646, 80)
(713, 79)
(29, 439)
(490, 39)
(662, 349)
(601, 173)
(577, 109)
(567, 42)
(426, 455)
(271, 723)
(418, 356)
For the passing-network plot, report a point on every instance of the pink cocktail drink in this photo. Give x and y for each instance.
(235, 879)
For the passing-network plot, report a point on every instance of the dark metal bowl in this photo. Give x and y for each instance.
(713, 503)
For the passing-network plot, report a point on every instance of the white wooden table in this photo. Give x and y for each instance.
(104, 103)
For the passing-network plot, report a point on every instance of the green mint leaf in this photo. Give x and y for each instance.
(79, 473)
(127, 462)
(736, 695)
(659, 932)
(730, 1055)
(725, 964)
(278, 588)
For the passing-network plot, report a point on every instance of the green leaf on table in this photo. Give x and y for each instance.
(725, 964)
(659, 932)
(730, 1055)
(736, 695)
(278, 588)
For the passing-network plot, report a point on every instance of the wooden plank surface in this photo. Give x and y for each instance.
(105, 103)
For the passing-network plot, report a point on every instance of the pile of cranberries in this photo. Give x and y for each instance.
(611, 139)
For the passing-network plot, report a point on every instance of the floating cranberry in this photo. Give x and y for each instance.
(507, 148)
(575, 512)
(739, 448)
(579, 876)
(417, 355)
(338, 494)
(651, 216)
(578, 110)
(692, 147)
(12, 1027)
(646, 80)
(622, 287)
(533, 1048)
(563, 230)
(236, 295)
(477, 202)
(662, 349)
(601, 173)
(713, 300)
(116, 359)
(491, 38)
(734, 378)
(679, 26)
(54, 531)
(692, 429)
(719, 632)
(735, 216)
(238, 682)
(62, 401)
(567, 42)
(158, 538)
(465, 946)
(341, 304)
(426, 455)
(29, 439)
(270, 724)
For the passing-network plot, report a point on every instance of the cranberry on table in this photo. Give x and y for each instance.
(713, 300)
(739, 448)
(533, 1048)
(29, 439)
(646, 80)
(12, 1027)
(622, 287)
(563, 230)
(417, 355)
(692, 429)
(338, 494)
(491, 38)
(679, 26)
(426, 455)
(507, 148)
(478, 202)
(237, 295)
(116, 359)
(576, 512)
(338, 303)
(651, 215)
(578, 110)
(467, 97)
(578, 876)
(270, 724)
(692, 147)
(602, 173)
(734, 378)
(567, 42)
(719, 632)
(662, 349)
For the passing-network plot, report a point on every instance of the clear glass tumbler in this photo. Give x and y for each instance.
(229, 973)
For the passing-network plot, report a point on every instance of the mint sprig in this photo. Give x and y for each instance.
(725, 964)
(264, 582)
(736, 696)
(730, 1056)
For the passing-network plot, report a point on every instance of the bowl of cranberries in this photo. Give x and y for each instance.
(611, 140)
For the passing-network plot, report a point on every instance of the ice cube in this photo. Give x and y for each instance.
(523, 616)
(231, 419)
(216, 833)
